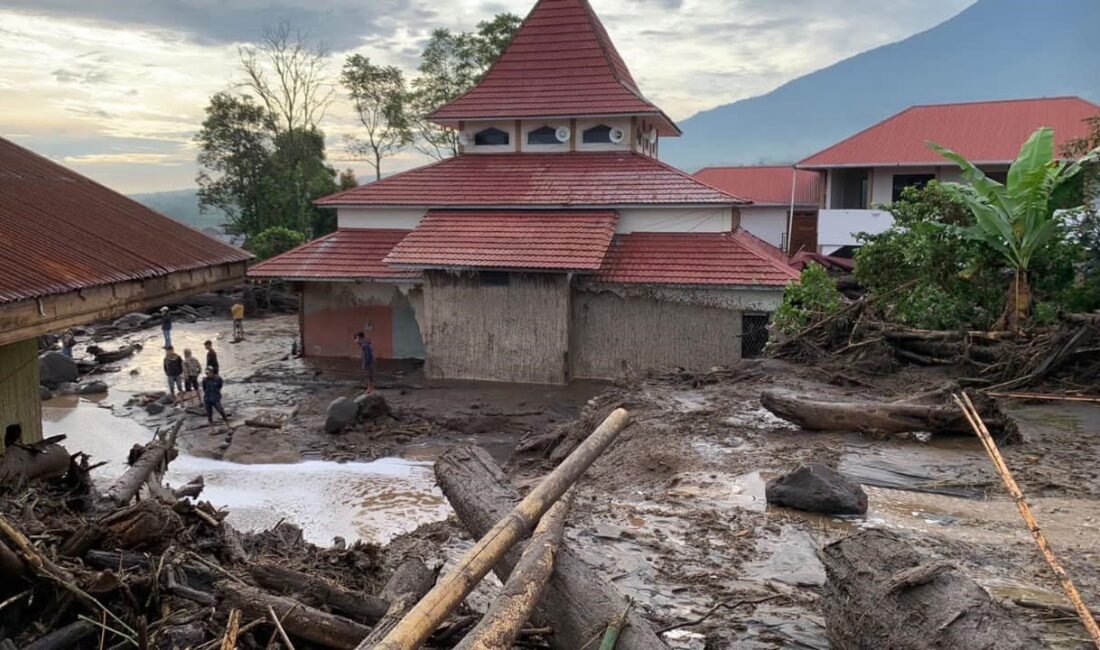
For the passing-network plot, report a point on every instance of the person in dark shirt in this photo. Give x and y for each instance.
(367, 350)
(212, 357)
(166, 327)
(212, 396)
(173, 369)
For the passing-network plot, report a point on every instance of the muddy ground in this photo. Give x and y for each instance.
(673, 513)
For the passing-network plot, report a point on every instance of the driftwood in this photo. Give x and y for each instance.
(155, 456)
(882, 417)
(425, 617)
(502, 622)
(408, 584)
(878, 594)
(318, 592)
(147, 522)
(578, 603)
(64, 638)
(301, 621)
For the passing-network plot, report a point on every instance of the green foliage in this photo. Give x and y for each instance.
(275, 241)
(347, 180)
(812, 298)
(380, 98)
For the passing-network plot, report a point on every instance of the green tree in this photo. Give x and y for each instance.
(347, 180)
(380, 98)
(1016, 219)
(275, 241)
(1088, 229)
(813, 298)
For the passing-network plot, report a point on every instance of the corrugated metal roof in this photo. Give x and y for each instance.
(981, 131)
(728, 258)
(530, 179)
(540, 240)
(766, 185)
(60, 231)
(560, 63)
(348, 254)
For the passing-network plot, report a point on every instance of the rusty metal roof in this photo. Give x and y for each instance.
(60, 231)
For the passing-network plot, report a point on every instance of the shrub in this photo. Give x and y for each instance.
(275, 241)
(812, 298)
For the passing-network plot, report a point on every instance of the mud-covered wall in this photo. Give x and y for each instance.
(659, 327)
(503, 327)
(19, 400)
(334, 311)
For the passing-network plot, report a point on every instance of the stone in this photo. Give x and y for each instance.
(817, 488)
(371, 406)
(154, 408)
(44, 393)
(55, 368)
(66, 388)
(166, 399)
(93, 388)
(342, 413)
(132, 321)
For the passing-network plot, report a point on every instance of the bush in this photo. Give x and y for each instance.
(275, 241)
(807, 301)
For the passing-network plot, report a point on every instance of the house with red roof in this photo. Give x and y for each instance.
(555, 245)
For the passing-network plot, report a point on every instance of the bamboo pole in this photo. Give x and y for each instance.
(501, 624)
(232, 629)
(426, 616)
(980, 429)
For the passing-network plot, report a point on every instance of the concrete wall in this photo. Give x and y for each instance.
(675, 220)
(646, 328)
(334, 311)
(478, 330)
(19, 401)
(402, 218)
(767, 222)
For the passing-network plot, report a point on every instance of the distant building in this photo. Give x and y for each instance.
(72, 252)
(555, 245)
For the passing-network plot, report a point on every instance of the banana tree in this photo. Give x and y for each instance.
(1016, 218)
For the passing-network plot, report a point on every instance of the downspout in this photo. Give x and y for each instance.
(790, 214)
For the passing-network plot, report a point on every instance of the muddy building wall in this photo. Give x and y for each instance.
(332, 312)
(496, 327)
(647, 328)
(20, 405)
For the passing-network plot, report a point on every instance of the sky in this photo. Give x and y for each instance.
(116, 88)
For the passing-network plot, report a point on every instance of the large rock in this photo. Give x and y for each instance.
(44, 393)
(93, 388)
(342, 413)
(132, 321)
(154, 408)
(371, 406)
(817, 488)
(55, 369)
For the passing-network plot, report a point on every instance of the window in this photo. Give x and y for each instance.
(902, 181)
(491, 136)
(754, 335)
(494, 278)
(543, 135)
(1001, 177)
(600, 134)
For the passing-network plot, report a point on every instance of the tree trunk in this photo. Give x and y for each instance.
(879, 595)
(154, 458)
(884, 417)
(578, 602)
(1017, 302)
(501, 624)
(408, 584)
(318, 592)
(301, 621)
(21, 463)
(64, 638)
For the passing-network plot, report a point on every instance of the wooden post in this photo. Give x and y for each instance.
(422, 619)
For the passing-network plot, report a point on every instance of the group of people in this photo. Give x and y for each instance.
(236, 311)
(184, 375)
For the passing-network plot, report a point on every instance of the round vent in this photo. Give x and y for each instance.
(616, 135)
(562, 133)
(653, 136)
(464, 138)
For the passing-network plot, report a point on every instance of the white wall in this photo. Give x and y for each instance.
(768, 222)
(403, 218)
(675, 220)
(882, 182)
(836, 228)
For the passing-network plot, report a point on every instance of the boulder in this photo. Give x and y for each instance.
(371, 406)
(55, 369)
(132, 321)
(44, 393)
(154, 408)
(342, 413)
(166, 399)
(65, 388)
(84, 366)
(93, 388)
(817, 488)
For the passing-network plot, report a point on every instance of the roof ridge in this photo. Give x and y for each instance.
(1005, 101)
(737, 236)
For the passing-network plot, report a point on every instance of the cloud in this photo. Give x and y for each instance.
(128, 158)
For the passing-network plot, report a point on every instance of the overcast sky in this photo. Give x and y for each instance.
(116, 88)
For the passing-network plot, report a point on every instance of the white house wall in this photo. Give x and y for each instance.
(767, 222)
(882, 184)
(400, 218)
(675, 220)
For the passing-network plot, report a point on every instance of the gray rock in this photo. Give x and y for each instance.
(154, 408)
(93, 388)
(817, 488)
(44, 393)
(342, 413)
(55, 368)
(132, 321)
(166, 399)
(371, 406)
(67, 388)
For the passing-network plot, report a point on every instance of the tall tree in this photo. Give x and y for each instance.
(379, 96)
(347, 180)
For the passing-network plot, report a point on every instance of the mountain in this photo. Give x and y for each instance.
(181, 205)
(995, 49)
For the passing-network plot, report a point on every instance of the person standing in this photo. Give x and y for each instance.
(68, 342)
(237, 311)
(192, 371)
(211, 357)
(173, 369)
(367, 350)
(166, 327)
(212, 396)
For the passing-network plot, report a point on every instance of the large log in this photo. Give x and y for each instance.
(453, 588)
(63, 638)
(318, 592)
(154, 458)
(501, 624)
(408, 584)
(19, 463)
(299, 620)
(578, 602)
(883, 417)
(878, 594)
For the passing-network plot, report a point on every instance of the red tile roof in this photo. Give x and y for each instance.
(60, 231)
(981, 131)
(765, 185)
(558, 240)
(519, 180)
(560, 63)
(727, 258)
(350, 254)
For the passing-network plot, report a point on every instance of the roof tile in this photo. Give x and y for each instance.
(348, 254)
(765, 185)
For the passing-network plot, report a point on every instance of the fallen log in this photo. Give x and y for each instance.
(20, 462)
(408, 584)
(147, 522)
(318, 592)
(502, 622)
(63, 638)
(884, 417)
(301, 621)
(878, 594)
(154, 458)
(578, 603)
(426, 616)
